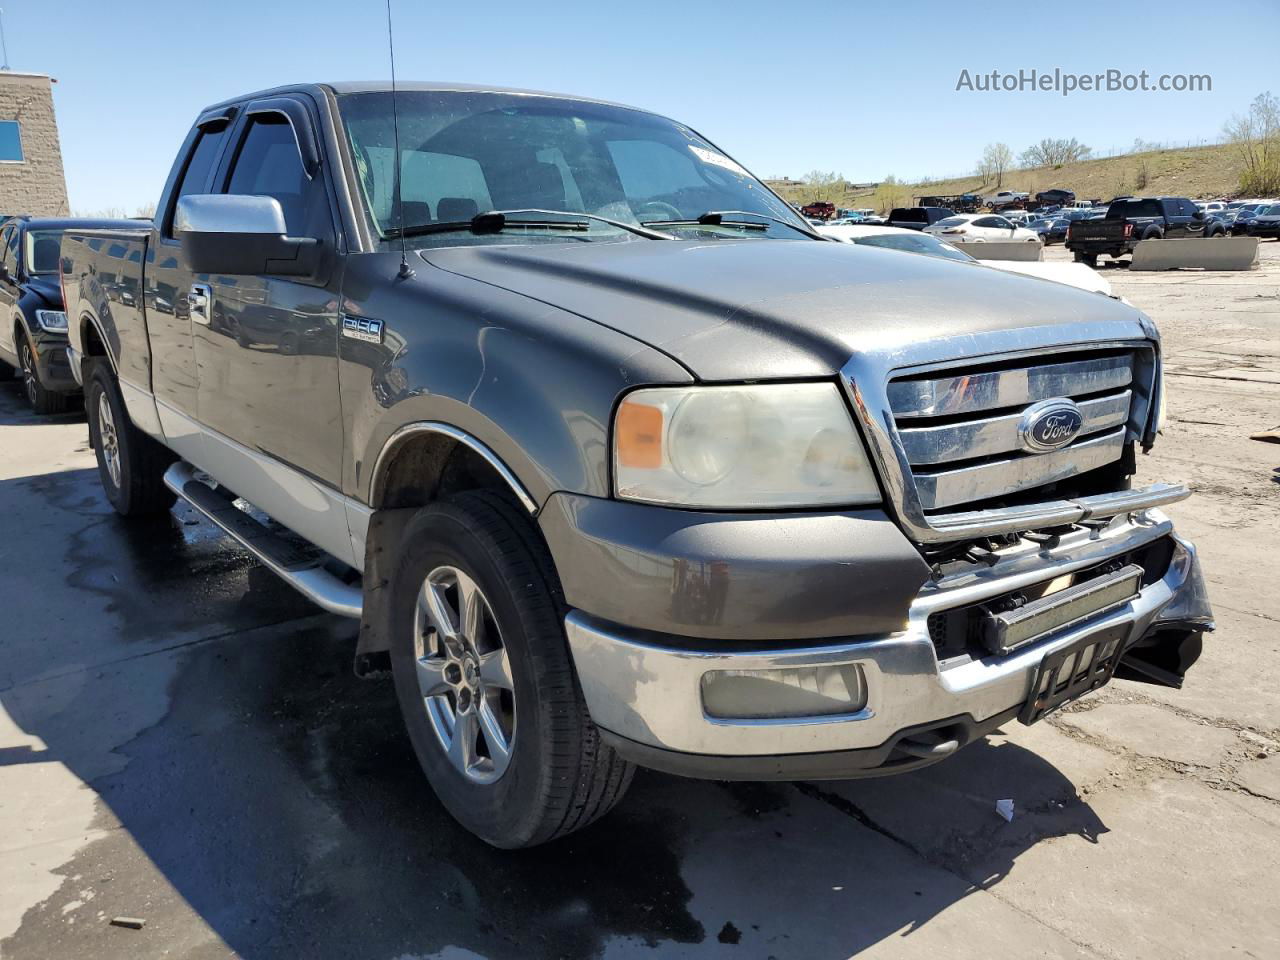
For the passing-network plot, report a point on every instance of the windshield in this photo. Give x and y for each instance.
(466, 153)
(42, 250)
(1272, 211)
(915, 243)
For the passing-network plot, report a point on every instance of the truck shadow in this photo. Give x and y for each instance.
(250, 792)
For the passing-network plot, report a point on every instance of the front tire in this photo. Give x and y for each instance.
(485, 679)
(42, 401)
(131, 465)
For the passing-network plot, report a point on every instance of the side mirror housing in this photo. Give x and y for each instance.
(1198, 215)
(241, 235)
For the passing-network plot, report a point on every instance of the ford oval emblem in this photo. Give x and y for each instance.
(1049, 425)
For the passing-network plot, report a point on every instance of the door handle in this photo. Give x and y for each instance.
(199, 301)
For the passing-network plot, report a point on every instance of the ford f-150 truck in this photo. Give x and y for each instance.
(615, 460)
(1130, 220)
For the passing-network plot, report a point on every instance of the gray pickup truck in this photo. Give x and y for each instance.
(615, 460)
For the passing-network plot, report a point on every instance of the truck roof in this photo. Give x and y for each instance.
(408, 86)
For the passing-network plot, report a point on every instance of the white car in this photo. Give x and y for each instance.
(1006, 197)
(918, 242)
(979, 228)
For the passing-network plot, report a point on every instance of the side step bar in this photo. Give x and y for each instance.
(302, 569)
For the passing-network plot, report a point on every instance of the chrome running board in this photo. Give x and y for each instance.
(302, 569)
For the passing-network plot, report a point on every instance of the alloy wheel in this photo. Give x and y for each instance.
(464, 674)
(108, 439)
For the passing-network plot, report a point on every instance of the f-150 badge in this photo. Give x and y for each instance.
(362, 328)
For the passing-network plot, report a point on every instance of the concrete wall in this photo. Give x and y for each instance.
(37, 184)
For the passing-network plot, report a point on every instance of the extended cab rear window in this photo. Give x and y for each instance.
(1124, 209)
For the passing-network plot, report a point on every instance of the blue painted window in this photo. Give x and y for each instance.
(10, 142)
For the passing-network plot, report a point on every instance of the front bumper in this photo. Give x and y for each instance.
(53, 363)
(647, 691)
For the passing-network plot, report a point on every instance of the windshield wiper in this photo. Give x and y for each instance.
(495, 221)
(716, 218)
(635, 228)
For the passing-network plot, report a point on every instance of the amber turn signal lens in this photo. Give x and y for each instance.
(639, 436)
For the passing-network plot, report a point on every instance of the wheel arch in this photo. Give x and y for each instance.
(427, 459)
(420, 463)
(93, 344)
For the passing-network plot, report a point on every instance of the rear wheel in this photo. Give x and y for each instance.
(131, 465)
(485, 679)
(42, 401)
(1088, 259)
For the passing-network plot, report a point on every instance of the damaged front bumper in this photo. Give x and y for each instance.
(878, 704)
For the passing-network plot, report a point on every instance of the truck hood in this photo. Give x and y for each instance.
(47, 288)
(774, 309)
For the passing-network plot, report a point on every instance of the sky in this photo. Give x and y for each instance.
(863, 89)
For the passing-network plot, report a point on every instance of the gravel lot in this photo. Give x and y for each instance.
(182, 741)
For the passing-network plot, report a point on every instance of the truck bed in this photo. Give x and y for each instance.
(104, 292)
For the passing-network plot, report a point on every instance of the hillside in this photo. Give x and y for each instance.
(1197, 172)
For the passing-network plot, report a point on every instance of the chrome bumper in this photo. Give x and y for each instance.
(649, 693)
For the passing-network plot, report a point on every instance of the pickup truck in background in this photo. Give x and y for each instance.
(614, 459)
(1131, 220)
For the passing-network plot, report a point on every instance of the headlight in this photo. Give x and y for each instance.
(750, 447)
(54, 321)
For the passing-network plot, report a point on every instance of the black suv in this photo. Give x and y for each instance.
(33, 326)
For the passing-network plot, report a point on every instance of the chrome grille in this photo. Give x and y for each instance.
(959, 431)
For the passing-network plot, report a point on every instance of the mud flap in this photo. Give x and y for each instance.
(382, 544)
(1173, 642)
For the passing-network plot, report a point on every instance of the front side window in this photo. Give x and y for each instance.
(11, 142)
(204, 154)
(42, 248)
(464, 153)
(269, 165)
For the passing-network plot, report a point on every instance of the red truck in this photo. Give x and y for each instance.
(819, 210)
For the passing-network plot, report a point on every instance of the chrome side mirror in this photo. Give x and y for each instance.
(240, 235)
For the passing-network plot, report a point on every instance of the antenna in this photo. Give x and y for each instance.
(405, 270)
(5, 46)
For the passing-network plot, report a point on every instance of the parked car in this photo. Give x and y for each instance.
(631, 467)
(979, 228)
(820, 210)
(1020, 218)
(1059, 198)
(1211, 206)
(1132, 220)
(1246, 214)
(1007, 198)
(33, 334)
(917, 218)
(1266, 222)
(928, 244)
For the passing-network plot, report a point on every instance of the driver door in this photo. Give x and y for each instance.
(266, 347)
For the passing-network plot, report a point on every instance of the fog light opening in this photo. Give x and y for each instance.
(784, 693)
